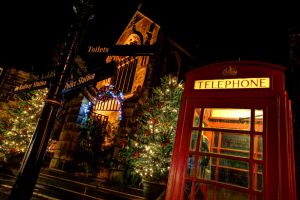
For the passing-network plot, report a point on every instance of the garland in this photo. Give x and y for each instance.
(109, 92)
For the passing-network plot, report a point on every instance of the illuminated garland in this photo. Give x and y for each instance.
(86, 108)
(109, 92)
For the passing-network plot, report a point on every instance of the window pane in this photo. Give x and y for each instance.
(258, 147)
(196, 119)
(204, 145)
(191, 166)
(193, 141)
(204, 168)
(256, 197)
(230, 171)
(209, 192)
(203, 191)
(229, 194)
(259, 120)
(227, 118)
(257, 177)
(187, 190)
(230, 143)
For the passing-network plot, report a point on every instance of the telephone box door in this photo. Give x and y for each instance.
(227, 155)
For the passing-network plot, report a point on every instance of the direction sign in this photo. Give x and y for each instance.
(2, 73)
(97, 75)
(32, 86)
(123, 50)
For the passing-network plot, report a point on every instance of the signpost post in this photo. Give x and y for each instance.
(33, 159)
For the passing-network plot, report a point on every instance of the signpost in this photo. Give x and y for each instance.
(89, 78)
(2, 74)
(83, 80)
(31, 86)
(124, 50)
(33, 159)
(99, 74)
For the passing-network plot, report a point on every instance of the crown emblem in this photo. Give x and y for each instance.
(229, 71)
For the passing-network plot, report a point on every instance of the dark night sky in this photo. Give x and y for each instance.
(211, 32)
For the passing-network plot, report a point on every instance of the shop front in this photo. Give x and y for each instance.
(234, 137)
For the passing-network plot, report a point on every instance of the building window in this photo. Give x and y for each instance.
(123, 79)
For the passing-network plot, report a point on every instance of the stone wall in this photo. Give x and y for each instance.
(69, 133)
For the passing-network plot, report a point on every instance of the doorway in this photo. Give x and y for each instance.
(227, 150)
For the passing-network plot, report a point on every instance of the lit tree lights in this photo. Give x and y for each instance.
(153, 143)
(22, 120)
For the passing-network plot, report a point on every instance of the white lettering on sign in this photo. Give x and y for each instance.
(86, 78)
(98, 49)
(29, 86)
(80, 81)
(238, 83)
(39, 83)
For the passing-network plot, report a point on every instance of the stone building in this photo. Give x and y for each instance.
(136, 72)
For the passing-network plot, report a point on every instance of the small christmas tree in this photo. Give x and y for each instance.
(21, 119)
(89, 153)
(151, 150)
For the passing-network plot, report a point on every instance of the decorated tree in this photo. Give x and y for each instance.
(88, 153)
(149, 152)
(18, 122)
(96, 135)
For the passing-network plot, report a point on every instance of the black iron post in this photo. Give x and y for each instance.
(33, 159)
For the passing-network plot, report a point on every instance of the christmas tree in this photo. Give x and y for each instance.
(89, 155)
(19, 121)
(152, 145)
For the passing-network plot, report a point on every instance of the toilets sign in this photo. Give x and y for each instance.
(236, 83)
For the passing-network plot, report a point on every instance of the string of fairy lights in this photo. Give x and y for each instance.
(23, 125)
(157, 131)
(109, 92)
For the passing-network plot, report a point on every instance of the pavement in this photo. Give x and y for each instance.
(55, 182)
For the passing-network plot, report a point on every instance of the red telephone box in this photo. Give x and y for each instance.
(234, 139)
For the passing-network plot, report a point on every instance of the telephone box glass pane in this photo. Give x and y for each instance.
(203, 191)
(204, 168)
(257, 177)
(227, 118)
(191, 166)
(258, 147)
(196, 119)
(259, 120)
(233, 144)
(230, 171)
(256, 197)
(229, 194)
(193, 141)
(187, 190)
(209, 192)
(205, 141)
